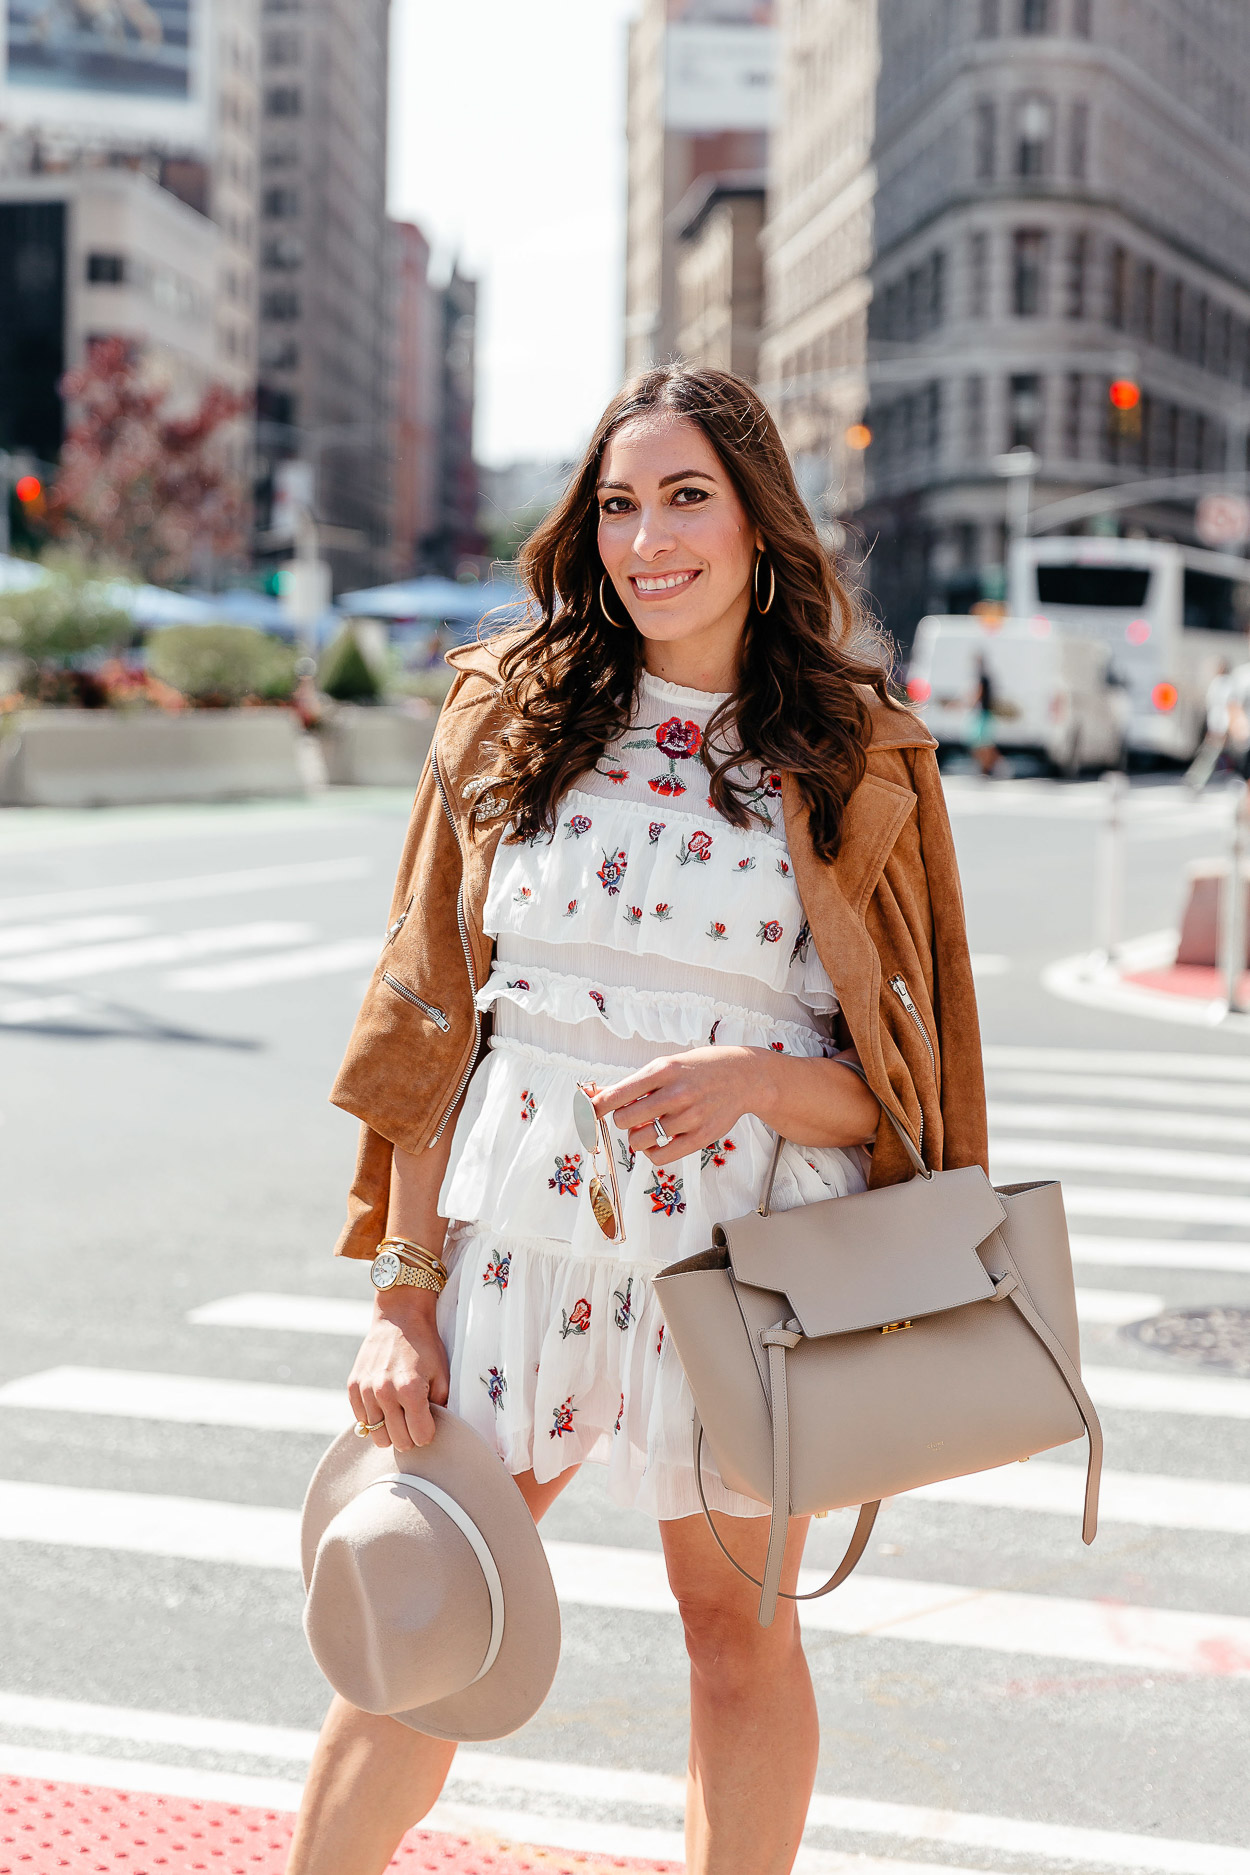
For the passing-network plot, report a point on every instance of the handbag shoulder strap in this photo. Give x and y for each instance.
(905, 1140)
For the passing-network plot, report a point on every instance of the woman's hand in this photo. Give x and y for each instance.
(400, 1369)
(700, 1096)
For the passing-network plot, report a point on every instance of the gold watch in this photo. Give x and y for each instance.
(399, 1264)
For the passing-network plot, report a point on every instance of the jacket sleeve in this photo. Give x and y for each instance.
(965, 1139)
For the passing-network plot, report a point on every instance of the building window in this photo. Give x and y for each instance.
(933, 418)
(1173, 315)
(937, 289)
(1035, 16)
(978, 275)
(989, 19)
(281, 303)
(1144, 296)
(282, 101)
(1078, 267)
(1033, 132)
(1078, 148)
(282, 49)
(1028, 276)
(1197, 347)
(915, 302)
(986, 121)
(1073, 394)
(1082, 22)
(279, 354)
(280, 204)
(284, 251)
(1025, 411)
(106, 269)
(1117, 296)
(974, 416)
(1222, 344)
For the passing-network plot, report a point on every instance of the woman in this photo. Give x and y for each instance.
(677, 846)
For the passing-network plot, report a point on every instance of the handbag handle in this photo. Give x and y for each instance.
(905, 1140)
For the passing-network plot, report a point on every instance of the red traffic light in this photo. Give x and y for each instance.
(27, 488)
(1124, 394)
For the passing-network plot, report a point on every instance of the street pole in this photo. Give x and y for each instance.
(1233, 909)
(1109, 896)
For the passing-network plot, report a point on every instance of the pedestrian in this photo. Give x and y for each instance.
(981, 734)
(679, 847)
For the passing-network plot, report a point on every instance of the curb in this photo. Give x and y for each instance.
(1122, 987)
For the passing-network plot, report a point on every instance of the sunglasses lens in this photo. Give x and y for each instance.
(601, 1205)
(585, 1120)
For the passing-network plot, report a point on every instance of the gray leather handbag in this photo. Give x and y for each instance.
(852, 1349)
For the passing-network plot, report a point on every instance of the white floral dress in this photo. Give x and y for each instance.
(647, 925)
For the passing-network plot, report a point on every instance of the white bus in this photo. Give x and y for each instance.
(1170, 616)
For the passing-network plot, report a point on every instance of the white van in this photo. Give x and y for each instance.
(1051, 692)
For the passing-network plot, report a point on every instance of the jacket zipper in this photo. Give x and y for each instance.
(410, 996)
(899, 985)
(464, 944)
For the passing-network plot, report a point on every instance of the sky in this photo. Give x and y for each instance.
(508, 151)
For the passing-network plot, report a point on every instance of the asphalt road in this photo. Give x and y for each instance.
(176, 987)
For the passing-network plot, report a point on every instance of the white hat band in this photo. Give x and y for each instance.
(477, 1542)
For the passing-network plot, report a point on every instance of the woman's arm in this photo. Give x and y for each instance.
(402, 1363)
(700, 1096)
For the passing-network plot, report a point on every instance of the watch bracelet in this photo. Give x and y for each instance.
(417, 1276)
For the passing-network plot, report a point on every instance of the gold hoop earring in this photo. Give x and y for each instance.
(772, 586)
(619, 623)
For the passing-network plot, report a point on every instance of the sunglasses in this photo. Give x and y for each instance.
(605, 1199)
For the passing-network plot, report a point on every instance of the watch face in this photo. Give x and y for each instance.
(385, 1271)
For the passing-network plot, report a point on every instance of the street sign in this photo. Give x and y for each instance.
(1222, 520)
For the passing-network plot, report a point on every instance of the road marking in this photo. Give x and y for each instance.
(1113, 1307)
(190, 1399)
(310, 1315)
(185, 1399)
(1139, 1088)
(1161, 1253)
(592, 1575)
(176, 891)
(43, 1009)
(171, 948)
(1008, 1116)
(989, 964)
(1204, 1068)
(1156, 1503)
(1079, 1155)
(1160, 1207)
(40, 937)
(492, 1770)
(321, 960)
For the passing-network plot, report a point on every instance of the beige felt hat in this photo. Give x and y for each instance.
(429, 1595)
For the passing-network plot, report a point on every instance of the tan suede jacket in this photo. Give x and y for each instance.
(886, 917)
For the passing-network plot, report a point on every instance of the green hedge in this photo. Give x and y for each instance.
(220, 665)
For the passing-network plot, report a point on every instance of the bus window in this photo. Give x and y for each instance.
(1093, 585)
(1213, 603)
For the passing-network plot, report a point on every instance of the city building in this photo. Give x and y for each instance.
(982, 215)
(719, 271)
(326, 302)
(700, 107)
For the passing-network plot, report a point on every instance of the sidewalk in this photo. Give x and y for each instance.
(46, 1827)
(1143, 979)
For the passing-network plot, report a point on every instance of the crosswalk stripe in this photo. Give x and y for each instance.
(1078, 1155)
(1204, 1068)
(43, 1009)
(176, 891)
(95, 960)
(599, 1576)
(1161, 1253)
(34, 937)
(1137, 1089)
(492, 1770)
(1162, 1207)
(280, 1407)
(332, 1315)
(1157, 1503)
(1164, 1123)
(320, 960)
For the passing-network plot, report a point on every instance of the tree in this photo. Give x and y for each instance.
(138, 487)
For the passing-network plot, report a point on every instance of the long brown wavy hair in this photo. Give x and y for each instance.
(568, 676)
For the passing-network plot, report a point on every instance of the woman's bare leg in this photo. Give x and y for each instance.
(372, 1778)
(754, 1737)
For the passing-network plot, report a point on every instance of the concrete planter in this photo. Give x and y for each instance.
(376, 747)
(101, 758)
(1203, 918)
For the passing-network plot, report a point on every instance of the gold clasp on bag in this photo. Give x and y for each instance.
(889, 1328)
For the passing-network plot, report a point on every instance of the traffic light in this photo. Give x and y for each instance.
(26, 511)
(1124, 396)
(29, 491)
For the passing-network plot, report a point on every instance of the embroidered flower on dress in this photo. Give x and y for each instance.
(495, 1384)
(577, 825)
(665, 1192)
(568, 1175)
(612, 872)
(662, 912)
(783, 867)
(596, 997)
(659, 1340)
(746, 865)
(495, 1275)
(522, 897)
(519, 984)
(528, 1104)
(655, 830)
(668, 787)
(769, 931)
(715, 930)
(778, 1048)
(678, 740)
(623, 1313)
(717, 1153)
(626, 1155)
(577, 1321)
(620, 1414)
(562, 1419)
(618, 775)
(698, 848)
(633, 914)
(801, 943)
(570, 910)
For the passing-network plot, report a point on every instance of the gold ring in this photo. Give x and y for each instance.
(363, 1428)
